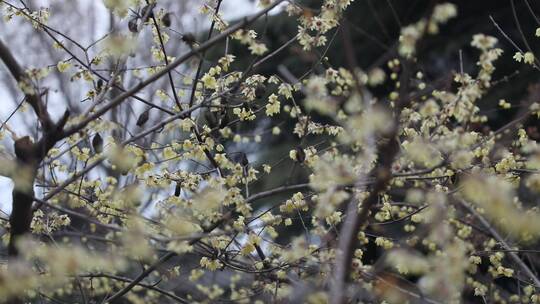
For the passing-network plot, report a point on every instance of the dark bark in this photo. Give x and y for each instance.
(21, 217)
(23, 192)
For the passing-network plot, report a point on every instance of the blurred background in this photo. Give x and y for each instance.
(374, 27)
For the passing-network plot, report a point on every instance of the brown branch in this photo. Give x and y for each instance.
(275, 191)
(387, 149)
(162, 45)
(127, 280)
(199, 67)
(20, 76)
(140, 277)
(355, 220)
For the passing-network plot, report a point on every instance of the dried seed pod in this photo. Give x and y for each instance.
(189, 39)
(244, 160)
(133, 26)
(24, 148)
(223, 119)
(300, 154)
(99, 84)
(178, 189)
(143, 118)
(97, 143)
(211, 119)
(166, 19)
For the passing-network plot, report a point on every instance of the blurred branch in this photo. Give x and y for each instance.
(386, 150)
(22, 79)
(127, 280)
(140, 277)
(28, 153)
(513, 255)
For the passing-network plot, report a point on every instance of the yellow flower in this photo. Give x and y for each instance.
(483, 42)
(169, 153)
(273, 105)
(209, 82)
(504, 104)
(528, 58)
(258, 48)
(247, 249)
(62, 66)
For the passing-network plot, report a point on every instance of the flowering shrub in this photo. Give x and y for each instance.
(155, 189)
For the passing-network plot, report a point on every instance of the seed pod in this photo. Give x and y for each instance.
(97, 143)
(24, 148)
(189, 39)
(143, 118)
(177, 189)
(132, 25)
(244, 160)
(166, 19)
(99, 84)
(211, 119)
(223, 119)
(300, 154)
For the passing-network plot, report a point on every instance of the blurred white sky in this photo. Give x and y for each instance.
(231, 9)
